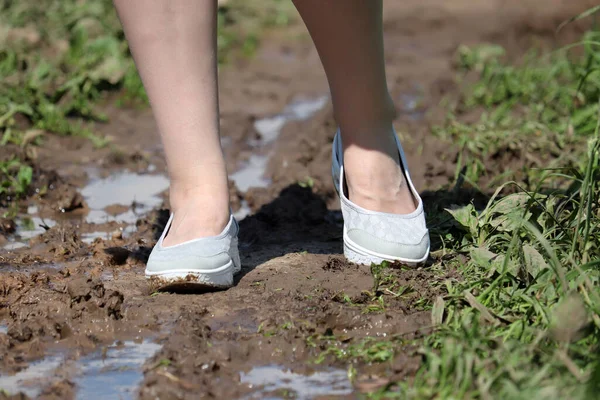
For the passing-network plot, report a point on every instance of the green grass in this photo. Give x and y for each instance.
(533, 116)
(522, 320)
(60, 59)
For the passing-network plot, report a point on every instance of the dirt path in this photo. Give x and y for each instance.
(77, 318)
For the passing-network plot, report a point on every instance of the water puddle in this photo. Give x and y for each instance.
(252, 173)
(298, 110)
(28, 226)
(32, 379)
(271, 379)
(3, 329)
(140, 193)
(31, 268)
(115, 373)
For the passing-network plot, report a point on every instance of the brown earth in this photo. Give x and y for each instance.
(62, 295)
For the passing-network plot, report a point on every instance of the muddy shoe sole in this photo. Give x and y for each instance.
(208, 262)
(220, 278)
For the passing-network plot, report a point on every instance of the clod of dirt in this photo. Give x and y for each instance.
(62, 240)
(7, 226)
(337, 264)
(31, 329)
(89, 295)
(69, 199)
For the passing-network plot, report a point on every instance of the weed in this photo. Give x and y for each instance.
(61, 59)
(524, 320)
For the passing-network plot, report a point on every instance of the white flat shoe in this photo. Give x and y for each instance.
(374, 237)
(205, 262)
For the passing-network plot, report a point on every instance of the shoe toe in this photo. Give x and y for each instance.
(389, 248)
(185, 258)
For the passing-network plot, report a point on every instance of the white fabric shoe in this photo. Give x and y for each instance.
(373, 237)
(210, 261)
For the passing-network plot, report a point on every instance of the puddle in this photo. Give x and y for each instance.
(115, 373)
(89, 237)
(28, 227)
(299, 110)
(3, 328)
(29, 269)
(111, 374)
(141, 193)
(272, 378)
(32, 379)
(252, 173)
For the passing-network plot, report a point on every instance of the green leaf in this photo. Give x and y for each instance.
(534, 261)
(466, 216)
(437, 312)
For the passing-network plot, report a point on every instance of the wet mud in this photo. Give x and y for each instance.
(79, 321)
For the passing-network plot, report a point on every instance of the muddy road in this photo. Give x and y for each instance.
(78, 319)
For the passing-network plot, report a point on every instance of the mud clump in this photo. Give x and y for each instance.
(88, 295)
(62, 242)
(337, 264)
(7, 226)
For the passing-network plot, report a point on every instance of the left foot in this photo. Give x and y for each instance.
(375, 178)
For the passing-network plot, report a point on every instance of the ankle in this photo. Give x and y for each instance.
(209, 197)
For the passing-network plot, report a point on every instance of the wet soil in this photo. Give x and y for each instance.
(76, 314)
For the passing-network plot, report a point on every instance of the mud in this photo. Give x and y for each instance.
(77, 318)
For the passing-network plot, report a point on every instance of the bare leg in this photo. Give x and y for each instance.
(348, 35)
(174, 46)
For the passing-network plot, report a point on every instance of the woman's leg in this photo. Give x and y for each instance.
(174, 46)
(348, 35)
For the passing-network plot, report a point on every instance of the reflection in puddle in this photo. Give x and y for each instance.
(32, 379)
(89, 237)
(31, 268)
(30, 227)
(272, 378)
(114, 374)
(141, 192)
(299, 110)
(252, 174)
